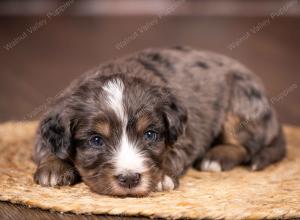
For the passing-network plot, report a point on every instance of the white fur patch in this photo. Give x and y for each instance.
(48, 180)
(44, 180)
(53, 180)
(254, 167)
(128, 157)
(166, 184)
(159, 186)
(208, 165)
(114, 90)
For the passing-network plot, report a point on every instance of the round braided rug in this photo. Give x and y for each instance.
(237, 194)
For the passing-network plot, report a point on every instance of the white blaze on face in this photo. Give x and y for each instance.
(114, 90)
(127, 157)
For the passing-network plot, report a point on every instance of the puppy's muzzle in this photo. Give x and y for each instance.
(129, 180)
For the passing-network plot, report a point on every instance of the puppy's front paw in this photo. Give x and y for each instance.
(166, 184)
(55, 173)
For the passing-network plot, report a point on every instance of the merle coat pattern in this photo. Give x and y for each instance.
(134, 125)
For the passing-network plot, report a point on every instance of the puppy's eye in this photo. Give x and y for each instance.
(150, 136)
(96, 140)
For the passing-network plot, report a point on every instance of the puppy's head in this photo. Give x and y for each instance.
(116, 130)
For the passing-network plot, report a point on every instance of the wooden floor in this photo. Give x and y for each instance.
(43, 62)
(10, 211)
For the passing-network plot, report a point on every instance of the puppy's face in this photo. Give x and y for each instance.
(120, 130)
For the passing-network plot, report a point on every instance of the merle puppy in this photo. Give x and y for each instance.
(134, 125)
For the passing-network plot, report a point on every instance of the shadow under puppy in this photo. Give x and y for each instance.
(134, 125)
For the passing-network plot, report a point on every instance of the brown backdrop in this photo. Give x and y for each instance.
(52, 49)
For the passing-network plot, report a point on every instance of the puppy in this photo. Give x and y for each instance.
(136, 124)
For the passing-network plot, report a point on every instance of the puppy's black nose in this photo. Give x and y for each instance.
(129, 180)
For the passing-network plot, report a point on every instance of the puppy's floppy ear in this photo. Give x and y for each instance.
(55, 133)
(175, 116)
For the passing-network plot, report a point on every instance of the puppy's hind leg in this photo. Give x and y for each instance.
(259, 130)
(227, 153)
(271, 153)
(251, 129)
(223, 157)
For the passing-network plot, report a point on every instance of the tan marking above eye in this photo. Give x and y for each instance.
(103, 128)
(142, 123)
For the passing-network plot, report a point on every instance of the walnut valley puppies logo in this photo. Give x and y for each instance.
(59, 10)
(150, 24)
(39, 109)
(283, 94)
(38, 25)
(259, 26)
